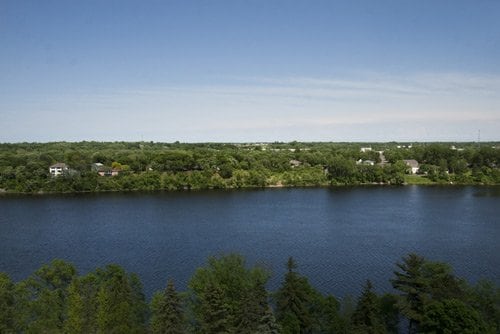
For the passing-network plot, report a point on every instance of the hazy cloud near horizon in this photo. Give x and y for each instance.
(362, 107)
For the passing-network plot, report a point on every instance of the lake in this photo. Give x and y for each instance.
(339, 236)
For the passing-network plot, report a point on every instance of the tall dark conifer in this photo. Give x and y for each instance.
(82, 305)
(117, 303)
(367, 316)
(412, 284)
(139, 305)
(253, 310)
(268, 323)
(240, 291)
(390, 312)
(167, 314)
(7, 304)
(216, 316)
(292, 302)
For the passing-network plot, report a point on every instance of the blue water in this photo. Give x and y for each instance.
(339, 237)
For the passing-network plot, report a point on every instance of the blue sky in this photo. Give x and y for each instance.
(238, 71)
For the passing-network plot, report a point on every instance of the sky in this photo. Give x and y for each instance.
(249, 71)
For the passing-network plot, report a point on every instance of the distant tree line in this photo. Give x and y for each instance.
(177, 166)
(227, 296)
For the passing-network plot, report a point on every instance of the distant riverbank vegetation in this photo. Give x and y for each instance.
(228, 296)
(126, 166)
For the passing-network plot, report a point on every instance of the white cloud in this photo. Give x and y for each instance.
(274, 108)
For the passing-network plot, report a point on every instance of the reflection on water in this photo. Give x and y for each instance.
(486, 191)
(339, 236)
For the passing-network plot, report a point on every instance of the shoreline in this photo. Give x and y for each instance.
(4, 192)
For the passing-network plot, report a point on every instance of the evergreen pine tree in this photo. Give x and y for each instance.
(421, 282)
(82, 305)
(115, 303)
(241, 291)
(268, 323)
(167, 314)
(215, 313)
(253, 309)
(330, 318)
(75, 320)
(139, 305)
(367, 316)
(389, 312)
(7, 304)
(412, 284)
(292, 302)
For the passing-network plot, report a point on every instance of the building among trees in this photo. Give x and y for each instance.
(58, 169)
(413, 165)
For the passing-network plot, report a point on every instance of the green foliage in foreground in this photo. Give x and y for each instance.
(226, 296)
(24, 167)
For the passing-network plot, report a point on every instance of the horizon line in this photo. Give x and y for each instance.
(256, 142)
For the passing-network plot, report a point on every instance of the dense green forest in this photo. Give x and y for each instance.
(227, 296)
(24, 167)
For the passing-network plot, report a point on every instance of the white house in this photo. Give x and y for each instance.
(413, 164)
(58, 169)
(96, 166)
(365, 149)
(365, 162)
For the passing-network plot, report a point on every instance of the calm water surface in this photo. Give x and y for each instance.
(340, 237)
